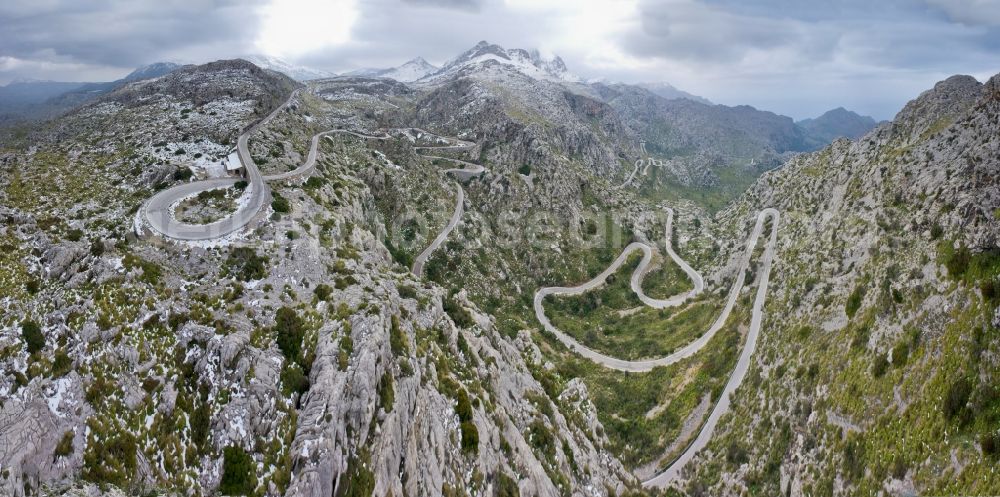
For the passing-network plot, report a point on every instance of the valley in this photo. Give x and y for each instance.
(491, 277)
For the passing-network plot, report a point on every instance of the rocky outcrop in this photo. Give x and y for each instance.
(414, 446)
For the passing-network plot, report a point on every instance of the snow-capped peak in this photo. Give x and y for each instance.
(528, 62)
(412, 70)
(298, 73)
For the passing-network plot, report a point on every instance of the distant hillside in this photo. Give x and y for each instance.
(669, 91)
(37, 100)
(836, 123)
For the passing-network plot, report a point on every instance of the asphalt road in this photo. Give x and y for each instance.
(668, 475)
(158, 210)
(682, 353)
(467, 171)
(742, 365)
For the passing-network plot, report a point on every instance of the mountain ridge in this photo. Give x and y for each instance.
(302, 356)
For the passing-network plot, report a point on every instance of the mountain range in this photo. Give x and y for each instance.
(33, 100)
(757, 313)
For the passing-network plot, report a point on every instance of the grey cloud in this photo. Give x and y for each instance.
(868, 55)
(123, 34)
(394, 31)
(896, 34)
(691, 31)
(470, 5)
(971, 12)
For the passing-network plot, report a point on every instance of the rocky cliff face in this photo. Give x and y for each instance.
(297, 360)
(302, 357)
(881, 347)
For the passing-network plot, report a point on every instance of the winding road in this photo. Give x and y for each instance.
(670, 473)
(158, 211)
(467, 171)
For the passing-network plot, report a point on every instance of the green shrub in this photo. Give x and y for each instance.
(957, 397)
(506, 486)
(860, 339)
(314, 182)
(936, 231)
(241, 185)
(958, 262)
(323, 291)
(463, 406)
(524, 170)
(854, 301)
(201, 425)
(294, 380)
(854, 457)
(397, 339)
(460, 315)
(900, 352)
(280, 204)
(238, 472)
(65, 445)
(32, 286)
(899, 468)
(897, 296)
(402, 257)
(96, 247)
(183, 174)
(74, 235)
(470, 437)
(346, 349)
(736, 454)
(386, 394)
(34, 340)
(290, 332)
(244, 264)
(61, 363)
(989, 288)
(990, 442)
(879, 365)
(359, 480)
(110, 458)
(151, 271)
(407, 292)
(541, 438)
(344, 282)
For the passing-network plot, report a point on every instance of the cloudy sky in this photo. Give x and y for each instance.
(794, 57)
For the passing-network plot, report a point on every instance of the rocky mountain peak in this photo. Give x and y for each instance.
(836, 123)
(669, 91)
(296, 72)
(150, 71)
(235, 78)
(528, 62)
(992, 88)
(934, 109)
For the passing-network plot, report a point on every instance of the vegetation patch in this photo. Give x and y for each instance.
(244, 264)
(238, 472)
(208, 206)
(613, 320)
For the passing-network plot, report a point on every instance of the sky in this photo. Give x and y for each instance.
(794, 57)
